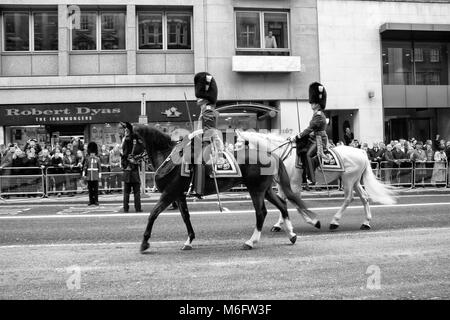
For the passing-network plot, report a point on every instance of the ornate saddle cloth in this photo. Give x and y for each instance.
(225, 166)
(335, 163)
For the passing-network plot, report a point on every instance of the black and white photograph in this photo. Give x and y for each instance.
(225, 156)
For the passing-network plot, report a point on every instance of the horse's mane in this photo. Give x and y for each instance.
(268, 140)
(154, 139)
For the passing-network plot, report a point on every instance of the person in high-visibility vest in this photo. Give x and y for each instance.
(92, 172)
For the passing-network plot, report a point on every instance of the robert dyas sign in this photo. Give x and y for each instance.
(69, 113)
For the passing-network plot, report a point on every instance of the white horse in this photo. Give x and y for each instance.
(356, 168)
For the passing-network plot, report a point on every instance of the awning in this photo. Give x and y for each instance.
(255, 107)
(413, 31)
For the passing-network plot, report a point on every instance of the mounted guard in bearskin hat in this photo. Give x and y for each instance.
(317, 126)
(206, 93)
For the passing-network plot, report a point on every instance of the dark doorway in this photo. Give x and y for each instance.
(67, 130)
(407, 128)
(335, 129)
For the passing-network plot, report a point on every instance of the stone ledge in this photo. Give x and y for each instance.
(8, 83)
(266, 64)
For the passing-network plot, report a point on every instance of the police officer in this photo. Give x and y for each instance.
(130, 168)
(317, 126)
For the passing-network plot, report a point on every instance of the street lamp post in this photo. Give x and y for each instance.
(143, 119)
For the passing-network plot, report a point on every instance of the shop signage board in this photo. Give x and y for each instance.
(172, 111)
(34, 114)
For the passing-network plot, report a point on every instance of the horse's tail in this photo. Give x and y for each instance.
(378, 192)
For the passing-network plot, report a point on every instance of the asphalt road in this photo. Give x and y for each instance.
(404, 256)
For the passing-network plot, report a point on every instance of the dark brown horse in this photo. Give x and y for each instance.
(173, 186)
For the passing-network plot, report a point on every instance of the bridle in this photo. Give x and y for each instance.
(286, 151)
(143, 156)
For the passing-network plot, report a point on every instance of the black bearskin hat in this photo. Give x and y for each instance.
(318, 94)
(92, 148)
(205, 87)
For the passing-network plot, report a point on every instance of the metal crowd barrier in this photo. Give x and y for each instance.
(59, 182)
(22, 181)
(397, 173)
(54, 180)
(431, 173)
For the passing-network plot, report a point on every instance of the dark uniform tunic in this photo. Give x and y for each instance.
(131, 178)
(317, 125)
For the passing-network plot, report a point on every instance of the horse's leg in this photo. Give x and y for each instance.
(296, 186)
(309, 216)
(277, 226)
(365, 200)
(280, 203)
(182, 205)
(164, 201)
(261, 212)
(348, 182)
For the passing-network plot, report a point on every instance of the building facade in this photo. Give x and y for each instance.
(386, 67)
(79, 68)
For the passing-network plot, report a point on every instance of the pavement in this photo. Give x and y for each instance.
(152, 197)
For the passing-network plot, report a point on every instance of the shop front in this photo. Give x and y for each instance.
(52, 124)
(172, 117)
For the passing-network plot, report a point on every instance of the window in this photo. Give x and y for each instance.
(426, 64)
(397, 63)
(164, 30)
(85, 38)
(178, 31)
(247, 30)
(17, 37)
(418, 55)
(150, 31)
(434, 55)
(275, 26)
(113, 31)
(262, 31)
(100, 31)
(45, 31)
(30, 31)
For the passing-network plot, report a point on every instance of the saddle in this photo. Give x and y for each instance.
(334, 164)
(225, 164)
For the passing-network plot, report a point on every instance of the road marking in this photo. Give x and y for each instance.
(12, 211)
(226, 241)
(84, 210)
(127, 215)
(245, 199)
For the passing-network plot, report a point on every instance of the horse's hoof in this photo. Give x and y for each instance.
(275, 229)
(317, 225)
(144, 246)
(293, 239)
(365, 227)
(186, 247)
(333, 226)
(246, 247)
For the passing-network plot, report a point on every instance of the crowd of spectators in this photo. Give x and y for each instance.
(430, 158)
(63, 162)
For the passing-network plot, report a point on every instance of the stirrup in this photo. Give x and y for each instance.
(324, 156)
(194, 194)
(191, 193)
